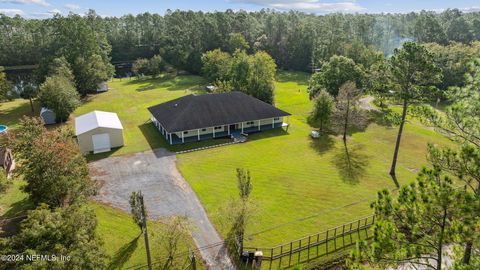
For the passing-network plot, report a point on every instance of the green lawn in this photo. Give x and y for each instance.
(121, 236)
(125, 245)
(130, 99)
(300, 185)
(12, 111)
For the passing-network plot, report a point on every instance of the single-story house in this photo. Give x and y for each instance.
(48, 116)
(98, 131)
(200, 117)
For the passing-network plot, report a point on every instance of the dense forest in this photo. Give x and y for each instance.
(296, 41)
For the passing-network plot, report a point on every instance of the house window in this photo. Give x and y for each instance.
(250, 123)
(204, 129)
(276, 118)
(217, 128)
(185, 132)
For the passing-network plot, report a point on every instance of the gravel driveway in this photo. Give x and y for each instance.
(165, 193)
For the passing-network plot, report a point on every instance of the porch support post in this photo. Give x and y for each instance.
(273, 122)
(183, 139)
(170, 138)
(258, 125)
(198, 134)
(228, 129)
(242, 127)
(213, 132)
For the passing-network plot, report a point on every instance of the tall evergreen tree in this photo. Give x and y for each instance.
(416, 226)
(414, 74)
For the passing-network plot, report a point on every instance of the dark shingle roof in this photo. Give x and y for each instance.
(194, 112)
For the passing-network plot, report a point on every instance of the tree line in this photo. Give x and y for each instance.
(295, 40)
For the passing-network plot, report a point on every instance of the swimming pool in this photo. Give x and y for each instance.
(3, 128)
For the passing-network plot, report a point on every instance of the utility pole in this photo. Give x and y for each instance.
(145, 232)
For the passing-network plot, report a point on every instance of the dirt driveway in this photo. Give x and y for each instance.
(165, 192)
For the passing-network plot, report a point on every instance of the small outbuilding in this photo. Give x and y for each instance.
(102, 87)
(48, 116)
(7, 161)
(98, 132)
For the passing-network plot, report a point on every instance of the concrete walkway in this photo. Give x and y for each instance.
(166, 193)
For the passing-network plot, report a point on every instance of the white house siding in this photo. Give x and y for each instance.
(85, 140)
(203, 131)
(209, 130)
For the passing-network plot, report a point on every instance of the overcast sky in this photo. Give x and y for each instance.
(45, 8)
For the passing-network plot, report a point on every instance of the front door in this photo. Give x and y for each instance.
(232, 127)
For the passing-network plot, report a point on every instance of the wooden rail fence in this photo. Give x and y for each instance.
(315, 246)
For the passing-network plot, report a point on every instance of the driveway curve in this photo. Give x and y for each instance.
(166, 193)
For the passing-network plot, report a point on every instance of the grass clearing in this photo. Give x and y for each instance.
(301, 185)
(125, 244)
(130, 98)
(12, 111)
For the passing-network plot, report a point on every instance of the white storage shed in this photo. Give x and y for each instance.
(98, 131)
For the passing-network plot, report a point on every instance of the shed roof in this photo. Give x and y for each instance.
(195, 112)
(45, 109)
(96, 119)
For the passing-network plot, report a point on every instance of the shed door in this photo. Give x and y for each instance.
(101, 143)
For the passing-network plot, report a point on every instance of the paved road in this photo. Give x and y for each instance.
(166, 193)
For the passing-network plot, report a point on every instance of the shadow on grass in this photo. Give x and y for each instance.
(10, 220)
(292, 76)
(153, 136)
(384, 117)
(170, 82)
(11, 116)
(93, 157)
(18, 208)
(267, 134)
(323, 144)
(123, 254)
(351, 163)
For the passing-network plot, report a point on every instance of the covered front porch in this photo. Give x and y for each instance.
(219, 131)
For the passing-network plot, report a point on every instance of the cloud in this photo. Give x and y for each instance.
(11, 12)
(24, 2)
(71, 6)
(471, 9)
(312, 6)
(54, 11)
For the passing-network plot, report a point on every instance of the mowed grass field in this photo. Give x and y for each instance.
(301, 185)
(130, 98)
(122, 239)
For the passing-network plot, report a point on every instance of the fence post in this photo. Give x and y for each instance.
(343, 236)
(299, 250)
(308, 249)
(271, 258)
(350, 233)
(280, 260)
(358, 229)
(318, 244)
(290, 258)
(335, 240)
(326, 243)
